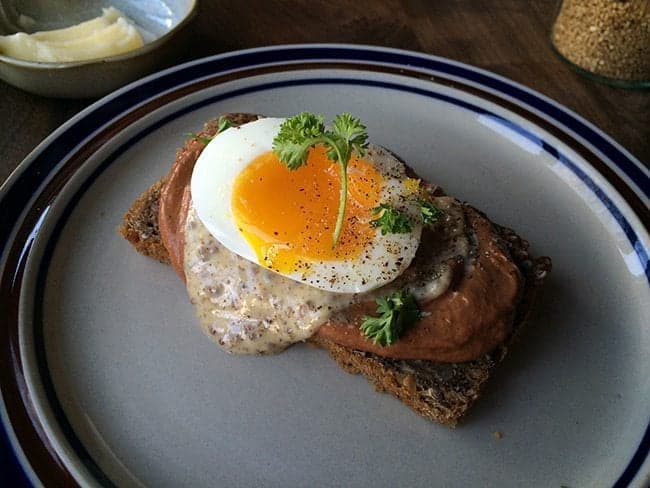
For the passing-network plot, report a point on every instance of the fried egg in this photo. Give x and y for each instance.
(284, 219)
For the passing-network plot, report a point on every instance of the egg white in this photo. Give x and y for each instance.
(216, 169)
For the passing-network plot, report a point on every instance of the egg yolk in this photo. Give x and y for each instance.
(288, 217)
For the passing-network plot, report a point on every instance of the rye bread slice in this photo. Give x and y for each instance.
(442, 392)
(140, 224)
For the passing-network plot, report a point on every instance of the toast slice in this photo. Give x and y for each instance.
(442, 392)
(140, 224)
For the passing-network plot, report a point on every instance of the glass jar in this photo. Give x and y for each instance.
(608, 40)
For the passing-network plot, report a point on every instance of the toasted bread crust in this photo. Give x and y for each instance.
(140, 224)
(442, 392)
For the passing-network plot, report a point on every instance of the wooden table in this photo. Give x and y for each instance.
(509, 37)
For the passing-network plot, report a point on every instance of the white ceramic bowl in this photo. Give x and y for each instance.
(161, 21)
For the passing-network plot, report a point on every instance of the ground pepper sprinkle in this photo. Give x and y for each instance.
(608, 37)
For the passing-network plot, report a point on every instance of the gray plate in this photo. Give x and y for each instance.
(126, 389)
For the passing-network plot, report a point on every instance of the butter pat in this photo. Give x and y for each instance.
(110, 34)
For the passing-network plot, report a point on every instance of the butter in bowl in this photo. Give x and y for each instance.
(87, 49)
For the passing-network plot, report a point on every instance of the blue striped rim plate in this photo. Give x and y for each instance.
(107, 380)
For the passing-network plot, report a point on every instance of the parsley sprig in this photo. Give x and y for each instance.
(397, 312)
(303, 131)
(222, 124)
(391, 220)
(197, 137)
(430, 213)
(394, 221)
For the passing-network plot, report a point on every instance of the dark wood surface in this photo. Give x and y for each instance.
(508, 37)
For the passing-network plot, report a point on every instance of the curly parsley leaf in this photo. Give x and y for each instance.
(222, 124)
(296, 136)
(391, 220)
(397, 313)
(351, 134)
(430, 213)
(301, 132)
(203, 139)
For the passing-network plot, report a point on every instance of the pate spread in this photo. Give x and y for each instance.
(465, 283)
(469, 320)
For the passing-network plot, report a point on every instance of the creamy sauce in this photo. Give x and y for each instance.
(249, 309)
(107, 35)
(245, 307)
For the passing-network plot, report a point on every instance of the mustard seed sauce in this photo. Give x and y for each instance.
(248, 309)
